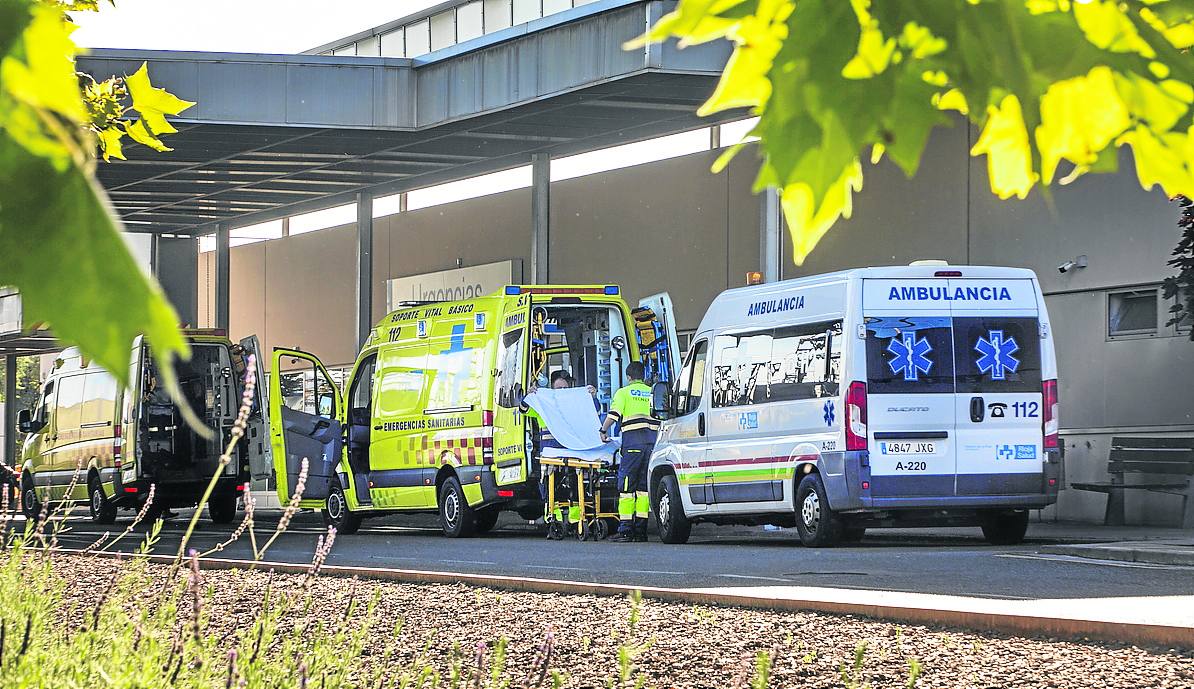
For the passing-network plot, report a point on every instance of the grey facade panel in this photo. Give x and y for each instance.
(319, 94)
(260, 92)
(177, 265)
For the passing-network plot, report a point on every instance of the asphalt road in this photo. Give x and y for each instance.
(945, 561)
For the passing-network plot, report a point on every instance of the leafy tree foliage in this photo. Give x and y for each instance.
(1046, 81)
(28, 382)
(1180, 287)
(59, 241)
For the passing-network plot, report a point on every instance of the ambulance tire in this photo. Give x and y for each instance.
(102, 509)
(30, 505)
(221, 507)
(486, 519)
(457, 519)
(818, 526)
(336, 513)
(1005, 528)
(673, 525)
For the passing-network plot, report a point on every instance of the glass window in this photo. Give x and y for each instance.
(741, 367)
(362, 386)
(99, 394)
(350, 49)
(468, 21)
(806, 362)
(690, 386)
(511, 360)
(443, 30)
(69, 407)
(1132, 312)
(997, 354)
(527, 10)
(308, 390)
(368, 47)
(909, 355)
(393, 44)
(553, 6)
(497, 15)
(47, 403)
(400, 390)
(452, 379)
(418, 38)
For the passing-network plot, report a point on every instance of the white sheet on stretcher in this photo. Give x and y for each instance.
(571, 418)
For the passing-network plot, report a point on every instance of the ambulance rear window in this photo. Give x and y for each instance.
(913, 354)
(997, 354)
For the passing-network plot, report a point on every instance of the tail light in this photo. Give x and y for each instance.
(856, 416)
(1049, 417)
(505, 493)
(117, 446)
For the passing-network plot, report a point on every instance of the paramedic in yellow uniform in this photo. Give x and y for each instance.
(631, 407)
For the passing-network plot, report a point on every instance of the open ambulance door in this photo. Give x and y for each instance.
(304, 414)
(658, 346)
(511, 375)
(261, 456)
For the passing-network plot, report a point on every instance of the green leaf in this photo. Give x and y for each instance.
(137, 132)
(110, 146)
(59, 246)
(43, 75)
(154, 103)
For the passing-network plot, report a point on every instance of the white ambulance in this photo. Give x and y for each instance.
(896, 396)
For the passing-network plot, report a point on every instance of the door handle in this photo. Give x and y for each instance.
(377, 428)
(977, 409)
(701, 424)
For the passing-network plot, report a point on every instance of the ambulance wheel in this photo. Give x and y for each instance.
(336, 513)
(102, 509)
(818, 525)
(221, 507)
(30, 505)
(486, 519)
(672, 523)
(1005, 528)
(455, 516)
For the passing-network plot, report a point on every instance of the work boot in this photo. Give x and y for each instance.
(622, 536)
(640, 530)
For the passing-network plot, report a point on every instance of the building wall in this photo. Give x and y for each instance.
(673, 226)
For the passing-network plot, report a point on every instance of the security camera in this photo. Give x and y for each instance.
(1077, 262)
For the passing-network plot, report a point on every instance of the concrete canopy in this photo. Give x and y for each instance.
(279, 135)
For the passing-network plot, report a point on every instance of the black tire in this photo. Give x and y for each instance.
(221, 507)
(1005, 528)
(30, 505)
(672, 524)
(336, 512)
(102, 509)
(457, 519)
(853, 534)
(818, 526)
(486, 519)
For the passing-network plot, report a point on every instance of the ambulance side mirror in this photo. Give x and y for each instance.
(661, 400)
(25, 422)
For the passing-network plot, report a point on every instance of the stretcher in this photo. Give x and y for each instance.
(596, 491)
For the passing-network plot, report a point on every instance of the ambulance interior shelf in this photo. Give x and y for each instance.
(583, 340)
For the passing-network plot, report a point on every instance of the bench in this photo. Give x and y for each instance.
(1153, 457)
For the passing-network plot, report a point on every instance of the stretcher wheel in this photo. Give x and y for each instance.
(555, 530)
(599, 529)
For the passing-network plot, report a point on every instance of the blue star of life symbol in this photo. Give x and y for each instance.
(828, 413)
(997, 354)
(910, 355)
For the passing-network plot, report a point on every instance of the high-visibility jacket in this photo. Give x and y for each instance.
(631, 407)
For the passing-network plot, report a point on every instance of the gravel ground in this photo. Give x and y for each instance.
(686, 646)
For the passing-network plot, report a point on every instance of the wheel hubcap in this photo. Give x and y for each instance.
(97, 500)
(810, 511)
(30, 498)
(665, 507)
(335, 506)
(451, 508)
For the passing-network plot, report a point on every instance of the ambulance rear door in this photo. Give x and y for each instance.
(658, 346)
(305, 424)
(997, 345)
(261, 457)
(511, 455)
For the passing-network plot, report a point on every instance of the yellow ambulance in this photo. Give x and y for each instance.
(429, 418)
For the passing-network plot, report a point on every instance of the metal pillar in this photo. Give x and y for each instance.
(364, 267)
(770, 225)
(541, 217)
(223, 275)
(10, 411)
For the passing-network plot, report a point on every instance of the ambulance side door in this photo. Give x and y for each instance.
(261, 455)
(305, 425)
(510, 452)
